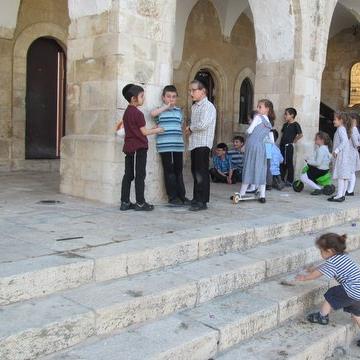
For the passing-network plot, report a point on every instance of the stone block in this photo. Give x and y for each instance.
(27, 279)
(237, 317)
(98, 95)
(33, 329)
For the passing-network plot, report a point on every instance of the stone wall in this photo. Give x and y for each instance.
(36, 18)
(343, 52)
(205, 47)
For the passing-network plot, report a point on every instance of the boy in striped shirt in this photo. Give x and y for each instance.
(170, 145)
(339, 266)
(237, 154)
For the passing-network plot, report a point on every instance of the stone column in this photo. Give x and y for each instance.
(128, 41)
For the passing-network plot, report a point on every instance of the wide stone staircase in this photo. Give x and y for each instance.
(220, 292)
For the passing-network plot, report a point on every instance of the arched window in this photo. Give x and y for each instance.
(355, 85)
(246, 100)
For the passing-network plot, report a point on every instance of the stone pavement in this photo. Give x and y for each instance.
(30, 229)
(81, 280)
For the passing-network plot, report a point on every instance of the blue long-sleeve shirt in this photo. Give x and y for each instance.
(276, 160)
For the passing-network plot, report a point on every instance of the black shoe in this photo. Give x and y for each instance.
(127, 206)
(144, 207)
(176, 202)
(288, 184)
(317, 318)
(339, 200)
(198, 207)
(316, 192)
(186, 202)
(358, 343)
(232, 197)
(268, 187)
(262, 200)
(349, 194)
(251, 191)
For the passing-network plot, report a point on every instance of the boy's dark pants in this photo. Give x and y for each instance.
(173, 173)
(217, 177)
(200, 172)
(288, 164)
(135, 161)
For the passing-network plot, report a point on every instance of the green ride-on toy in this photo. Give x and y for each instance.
(324, 181)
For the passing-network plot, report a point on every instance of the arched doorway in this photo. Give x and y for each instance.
(45, 99)
(355, 85)
(246, 100)
(206, 78)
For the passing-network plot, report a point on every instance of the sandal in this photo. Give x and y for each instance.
(317, 318)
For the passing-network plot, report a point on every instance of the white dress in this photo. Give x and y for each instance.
(354, 144)
(342, 163)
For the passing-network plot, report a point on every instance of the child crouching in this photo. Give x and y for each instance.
(338, 265)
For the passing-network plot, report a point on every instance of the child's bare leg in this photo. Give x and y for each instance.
(325, 308)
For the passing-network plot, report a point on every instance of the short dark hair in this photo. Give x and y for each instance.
(222, 146)
(130, 90)
(332, 241)
(200, 85)
(276, 134)
(291, 111)
(169, 88)
(240, 138)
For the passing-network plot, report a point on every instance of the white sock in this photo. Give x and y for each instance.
(305, 179)
(341, 188)
(346, 185)
(262, 189)
(252, 187)
(352, 182)
(243, 189)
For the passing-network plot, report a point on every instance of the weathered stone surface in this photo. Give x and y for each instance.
(174, 338)
(27, 279)
(32, 329)
(295, 340)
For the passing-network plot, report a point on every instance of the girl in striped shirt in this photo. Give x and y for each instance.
(339, 266)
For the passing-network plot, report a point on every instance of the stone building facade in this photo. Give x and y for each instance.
(295, 52)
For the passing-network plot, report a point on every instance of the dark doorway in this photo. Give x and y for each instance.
(246, 100)
(45, 99)
(206, 78)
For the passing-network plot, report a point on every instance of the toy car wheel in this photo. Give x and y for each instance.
(298, 186)
(328, 190)
(236, 198)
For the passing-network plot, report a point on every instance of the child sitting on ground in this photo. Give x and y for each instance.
(320, 164)
(222, 168)
(276, 160)
(237, 158)
(345, 271)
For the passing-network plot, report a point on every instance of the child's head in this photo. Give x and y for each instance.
(197, 90)
(238, 142)
(355, 119)
(342, 118)
(169, 95)
(322, 138)
(331, 244)
(252, 114)
(266, 107)
(221, 149)
(290, 114)
(134, 94)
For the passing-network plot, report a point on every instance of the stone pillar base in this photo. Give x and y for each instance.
(92, 167)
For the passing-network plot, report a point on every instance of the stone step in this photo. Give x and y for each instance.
(32, 278)
(58, 321)
(203, 332)
(297, 340)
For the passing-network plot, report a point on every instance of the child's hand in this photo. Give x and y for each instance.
(300, 278)
(334, 154)
(160, 130)
(187, 130)
(311, 269)
(229, 180)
